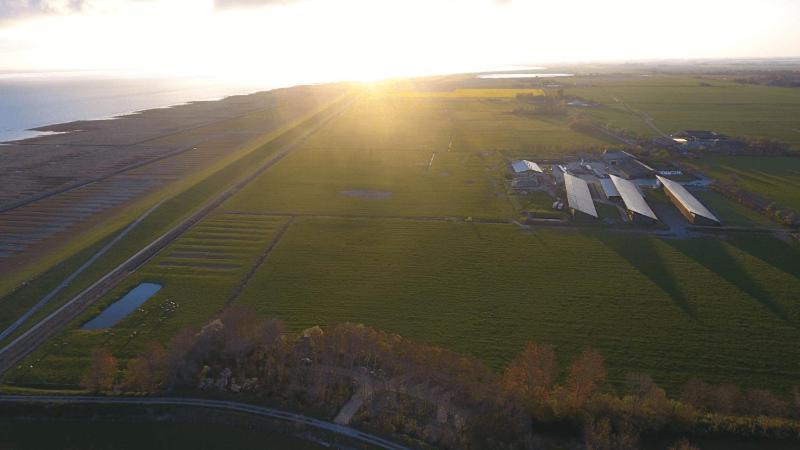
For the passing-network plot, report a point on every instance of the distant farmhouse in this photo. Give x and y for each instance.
(691, 208)
(704, 139)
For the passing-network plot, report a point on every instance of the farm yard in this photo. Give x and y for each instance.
(396, 215)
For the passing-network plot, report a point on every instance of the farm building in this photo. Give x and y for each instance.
(524, 165)
(638, 209)
(698, 139)
(633, 169)
(578, 196)
(627, 165)
(609, 189)
(694, 211)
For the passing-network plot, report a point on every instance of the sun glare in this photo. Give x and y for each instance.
(316, 40)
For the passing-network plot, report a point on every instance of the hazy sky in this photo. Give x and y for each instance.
(375, 38)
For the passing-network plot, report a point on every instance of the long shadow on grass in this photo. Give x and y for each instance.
(641, 253)
(772, 251)
(713, 255)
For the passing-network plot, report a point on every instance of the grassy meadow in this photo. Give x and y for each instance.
(378, 198)
(677, 103)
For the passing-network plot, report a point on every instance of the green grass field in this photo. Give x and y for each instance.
(90, 435)
(377, 238)
(730, 213)
(678, 102)
(701, 307)
(774, 178)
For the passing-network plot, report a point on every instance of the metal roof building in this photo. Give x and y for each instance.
(578, 196)
(608, 187)
(694, 211)
(524, 165)
(634, 201)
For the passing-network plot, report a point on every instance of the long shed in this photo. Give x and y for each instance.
(578, 196)
(691, 208)
(635, 204)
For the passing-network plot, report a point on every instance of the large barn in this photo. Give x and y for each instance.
(638, 209)
(579, 198)
(691, 208)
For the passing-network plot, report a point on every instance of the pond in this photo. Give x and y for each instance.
(122, 307)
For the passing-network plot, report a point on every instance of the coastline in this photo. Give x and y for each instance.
(78, 100)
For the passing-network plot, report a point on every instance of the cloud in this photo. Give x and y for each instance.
(231, 4)
(11, 9)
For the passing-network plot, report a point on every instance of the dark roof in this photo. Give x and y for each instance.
(699, 134)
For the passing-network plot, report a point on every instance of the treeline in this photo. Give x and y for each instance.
(545, 105)
(762, 146)
(770, 209)
(430, 394)
(781, 78)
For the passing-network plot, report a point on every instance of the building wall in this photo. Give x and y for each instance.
(688, 215)
(693, 219)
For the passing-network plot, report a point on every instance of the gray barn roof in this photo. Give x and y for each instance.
(609, 188)
(632, 197)
(524, 165)
(689, 201)
(578, 195)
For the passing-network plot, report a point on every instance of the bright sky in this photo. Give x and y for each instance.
(315, 40)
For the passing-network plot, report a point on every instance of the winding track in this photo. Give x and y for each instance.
(37, 334)
(210, 404)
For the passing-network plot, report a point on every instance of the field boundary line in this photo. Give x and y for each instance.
(259, 262)
(376, 217)
(81, 183)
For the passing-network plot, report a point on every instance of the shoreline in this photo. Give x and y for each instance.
(23, 135)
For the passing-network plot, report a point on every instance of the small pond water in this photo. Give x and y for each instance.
(122, 307)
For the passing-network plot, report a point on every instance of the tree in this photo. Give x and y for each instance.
(585, 375)
(148, 372)
(100, 375)
(531, 375)
(683, 444)
(697, 393)
(761, 402)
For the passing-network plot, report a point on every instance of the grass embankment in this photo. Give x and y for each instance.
(166, 216)
(111, 221)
